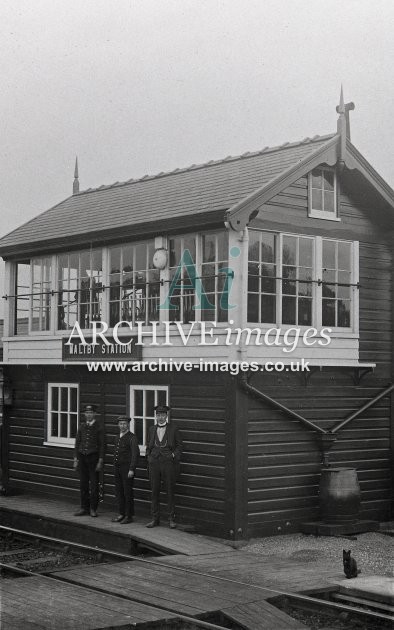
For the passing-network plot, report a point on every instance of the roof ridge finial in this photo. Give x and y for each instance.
(76, 177)
(343, 109)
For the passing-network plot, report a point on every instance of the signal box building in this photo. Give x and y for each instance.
(280, 255)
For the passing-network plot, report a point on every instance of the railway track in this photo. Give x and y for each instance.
(370, 614)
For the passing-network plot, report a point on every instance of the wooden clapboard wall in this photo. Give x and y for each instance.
(283, 459)
(198, 403)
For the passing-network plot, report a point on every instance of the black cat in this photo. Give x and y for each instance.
(350, 565)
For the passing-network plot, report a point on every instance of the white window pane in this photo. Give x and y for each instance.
(63, 425)
(73, 399)
(317, 181)
(54, 425)
(55, 399)
(329, 202)
(253, 307)
(329, 254)
(208, 248)
(289, 250)
(344, 313)
(344, 250)
(114, 260)
(328, 180)
(305, 252)
(73, 425)
(328, 313)
(289, 305)
(149, 402)
(267, 247)
(304, 312)
(317, 199)
(268, 309)
(254, 246)
(138, 402)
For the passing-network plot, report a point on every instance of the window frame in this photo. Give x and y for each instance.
(199, 264)
(144, 417)
(98, 290)
(102, 297)
(44, 294)
(68, 442)
(324, 214)
(317, 274)
(146, 298)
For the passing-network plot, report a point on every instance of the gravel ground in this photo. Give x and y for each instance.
(373, 552)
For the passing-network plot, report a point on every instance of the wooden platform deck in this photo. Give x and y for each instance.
(200, 576)
(184, 593)
(52, 517)
(36, 603)
(277, 573)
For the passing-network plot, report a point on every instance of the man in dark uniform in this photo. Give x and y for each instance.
(126, 455)
(88, 459)
(163, 451)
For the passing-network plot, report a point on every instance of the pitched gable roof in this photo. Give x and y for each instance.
(197, 192)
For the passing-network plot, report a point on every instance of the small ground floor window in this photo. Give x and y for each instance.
(63, 411)
(143, 400)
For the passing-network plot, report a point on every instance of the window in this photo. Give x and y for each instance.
(41, 294)
(214, 256)
(143, 400)
(297, 257)
(322, 193)
(63, 410)
(120, 283)
(336, 261)
(198, 286)
(134, 293)
(262, 298)
(22, 301)
(79, 288)
(301, 280)
(183, 262)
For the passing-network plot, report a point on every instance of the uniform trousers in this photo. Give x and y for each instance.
(162, 470)
(124, 490)
(89, 480)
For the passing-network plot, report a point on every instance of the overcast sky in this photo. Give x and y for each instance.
(143, 86)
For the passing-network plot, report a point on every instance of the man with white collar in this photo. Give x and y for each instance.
(163, 452)
(126, 454)
(88, 459)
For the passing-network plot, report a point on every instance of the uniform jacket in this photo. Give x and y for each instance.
(174, 441)
(126, 450)
(89, 439)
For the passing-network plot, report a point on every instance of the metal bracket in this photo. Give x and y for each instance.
(307, 375)
(360, 372)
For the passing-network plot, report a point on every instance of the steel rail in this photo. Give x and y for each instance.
(297, 596)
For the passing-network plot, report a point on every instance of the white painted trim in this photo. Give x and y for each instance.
(61, 444)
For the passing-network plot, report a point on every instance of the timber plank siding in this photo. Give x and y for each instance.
(198, 411)
(284, 461)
